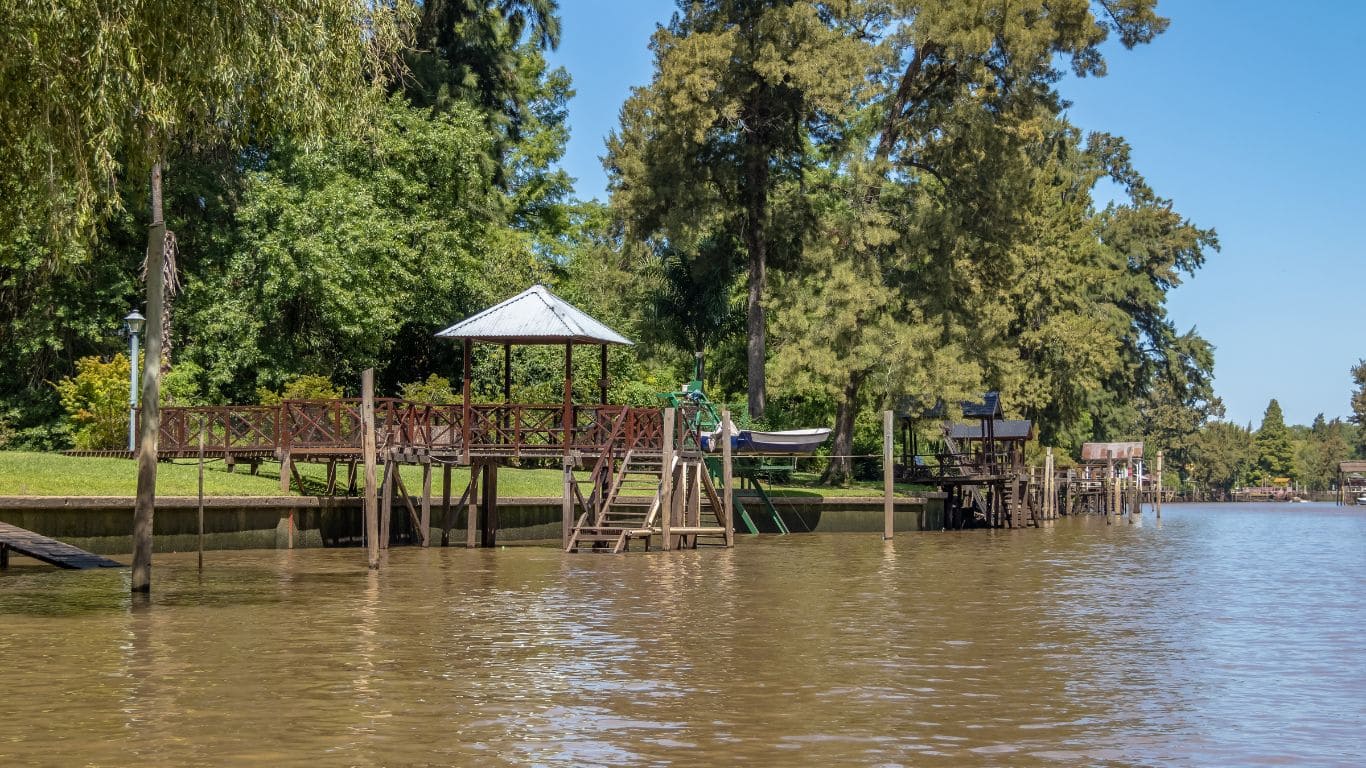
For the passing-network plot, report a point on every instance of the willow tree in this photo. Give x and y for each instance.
(94, 94)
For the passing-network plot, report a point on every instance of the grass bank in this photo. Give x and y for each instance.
(51, 474)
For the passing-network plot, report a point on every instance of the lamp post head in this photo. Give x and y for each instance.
(134, 323)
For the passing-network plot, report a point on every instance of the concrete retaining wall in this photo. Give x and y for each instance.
(103, 524)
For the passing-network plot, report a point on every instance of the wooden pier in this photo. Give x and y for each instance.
(49, 550)
(630, 472)
(978, 465)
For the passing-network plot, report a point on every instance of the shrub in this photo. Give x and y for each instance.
(300, 387)
(436, 390)
(96, 403)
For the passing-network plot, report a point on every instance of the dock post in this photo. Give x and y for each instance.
(4, 556)
(386, 502)
(727, 479)
(446, 505)
(472, 511)
(666, 488)
(426, 524)
(567, 503)
(1047, 484)
(489, 527)
(367, 417)
(1157, 495)
(888, 476)
(202, 428)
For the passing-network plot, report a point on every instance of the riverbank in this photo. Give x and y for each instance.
(103, 524)
(25, 474)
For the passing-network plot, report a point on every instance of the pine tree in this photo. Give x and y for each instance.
(1275, 447)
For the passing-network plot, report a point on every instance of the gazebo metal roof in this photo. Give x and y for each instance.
(534, 316)
(1002, 429)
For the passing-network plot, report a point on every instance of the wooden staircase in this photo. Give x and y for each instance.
(629, 508)
(633, 504)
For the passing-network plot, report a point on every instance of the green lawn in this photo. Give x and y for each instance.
(51, 474)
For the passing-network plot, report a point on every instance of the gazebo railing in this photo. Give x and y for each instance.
(334, 427)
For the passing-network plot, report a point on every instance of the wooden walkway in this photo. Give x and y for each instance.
(49, 550)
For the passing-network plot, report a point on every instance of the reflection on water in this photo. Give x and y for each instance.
(1228, 635)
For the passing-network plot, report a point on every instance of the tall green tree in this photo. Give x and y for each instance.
(741, 92)
(1222, 456)
(1359, 405)
(947, 214)
(1275, 447)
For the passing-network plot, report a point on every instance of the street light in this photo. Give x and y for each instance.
(132, 325)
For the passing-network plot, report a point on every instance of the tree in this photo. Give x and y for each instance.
(1275, 448)
(1222, 456)
(971, 207)
(742, 90)
(257, 68)
(1359, 405)
(345, 256)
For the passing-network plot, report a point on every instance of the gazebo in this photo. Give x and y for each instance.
(533, 317)
(491, 434)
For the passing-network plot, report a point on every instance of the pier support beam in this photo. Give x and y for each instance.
(888, 477)
(367, 417)
(666, 488)
(1157, 492)
(727, 479)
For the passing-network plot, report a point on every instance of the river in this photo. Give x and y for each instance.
(1219, 635)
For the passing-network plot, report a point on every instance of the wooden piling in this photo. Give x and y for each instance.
(888, 477)
(666, 489)
(472, 510)
(1157, 496)
(202, 428)
(727, 479)
(567, 504)
(386, 502)
(447, 521)
(367, 410)
(426, 524)
(488, 529)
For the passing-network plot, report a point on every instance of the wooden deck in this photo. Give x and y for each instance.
(48, 550)
(332, 429)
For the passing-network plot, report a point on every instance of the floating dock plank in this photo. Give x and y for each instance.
(50, 550)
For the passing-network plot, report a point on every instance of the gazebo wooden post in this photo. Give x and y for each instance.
(568, 395)
(602, 379)
(465, 407)
(507, 385)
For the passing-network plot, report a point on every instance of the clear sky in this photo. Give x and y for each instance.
(1247, 114)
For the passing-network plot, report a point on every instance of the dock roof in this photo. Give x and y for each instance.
(534, 316)
(1103, 451)
(1002, 429)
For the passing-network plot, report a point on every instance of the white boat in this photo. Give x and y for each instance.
(1361, 499)
(788, 441)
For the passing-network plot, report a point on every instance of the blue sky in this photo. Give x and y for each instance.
(1247, 114)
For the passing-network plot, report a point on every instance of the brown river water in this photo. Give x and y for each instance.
(1221, 635)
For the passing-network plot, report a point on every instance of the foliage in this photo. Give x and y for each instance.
(435, 390)
(301, 387)
(1359, 405)
(1222, 456)
(1275, 448)
(344, 254)
(96, 403)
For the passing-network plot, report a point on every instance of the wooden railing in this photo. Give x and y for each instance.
(334, 427)
(957, 465)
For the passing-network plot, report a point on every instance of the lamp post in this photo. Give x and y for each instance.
(132, 325)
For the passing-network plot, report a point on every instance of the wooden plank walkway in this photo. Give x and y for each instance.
(49, 550)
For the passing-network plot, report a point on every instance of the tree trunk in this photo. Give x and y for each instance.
(151, 393)
(756, 243)
(841, 467)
